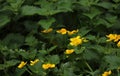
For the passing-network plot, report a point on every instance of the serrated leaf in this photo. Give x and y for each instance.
(46, 23)
(4, 20)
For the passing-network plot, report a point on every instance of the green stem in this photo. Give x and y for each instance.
(89, 66)
(29, 72)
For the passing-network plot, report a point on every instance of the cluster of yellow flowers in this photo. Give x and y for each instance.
(48, 65)
(22, 63)
(64, 31)
(75, 41)
(115, 38)
(107, 73)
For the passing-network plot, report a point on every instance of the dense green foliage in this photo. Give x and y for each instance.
(21, 39)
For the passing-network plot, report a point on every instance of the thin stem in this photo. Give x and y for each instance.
(88, 66)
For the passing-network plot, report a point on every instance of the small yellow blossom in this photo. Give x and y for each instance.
(48, 65)
(34, 62)
(72, 32)
(22, 64)
(117, 38)
(62, 31)
(75, 41)
(69, 51)
(112, 37)
(47, 31)
(118, 44)
(107, 73)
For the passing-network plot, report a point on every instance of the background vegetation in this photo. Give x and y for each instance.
(22, 38)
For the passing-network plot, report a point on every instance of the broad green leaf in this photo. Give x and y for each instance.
(68, 72)
(30, 10)
(104, 22)
(114, 61)
(4, 20)
(111, 18)
(106, 5)
(54, 59)
(19, 72)
(31, 41)
(90, 54)
(11, 63)
(46, 23)
(93, 13)
(13, 40)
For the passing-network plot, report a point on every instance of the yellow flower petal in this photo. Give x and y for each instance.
(22, 64)
(69, 51)
(62, 31)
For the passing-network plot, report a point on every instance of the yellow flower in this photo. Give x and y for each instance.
(62, 31)
(117, 38)
(72, 32)
(75, 41)
(47, 31)
(107, 73)
(69, 51)
(48, 65)
(22, 64)
(112, 37)
(34, 62)
(118, 44)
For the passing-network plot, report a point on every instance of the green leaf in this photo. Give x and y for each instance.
(79, 51)
(92, 14)
(11, 63)
(19, 72)
(2, 66)
(114, 61)
(46, 23)
(106, 5)
(90, 55)
(32, 54)
(54, 59)
(51, 49)
(4, 20)
(31, 41)
(16, 39)
(30, 10)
